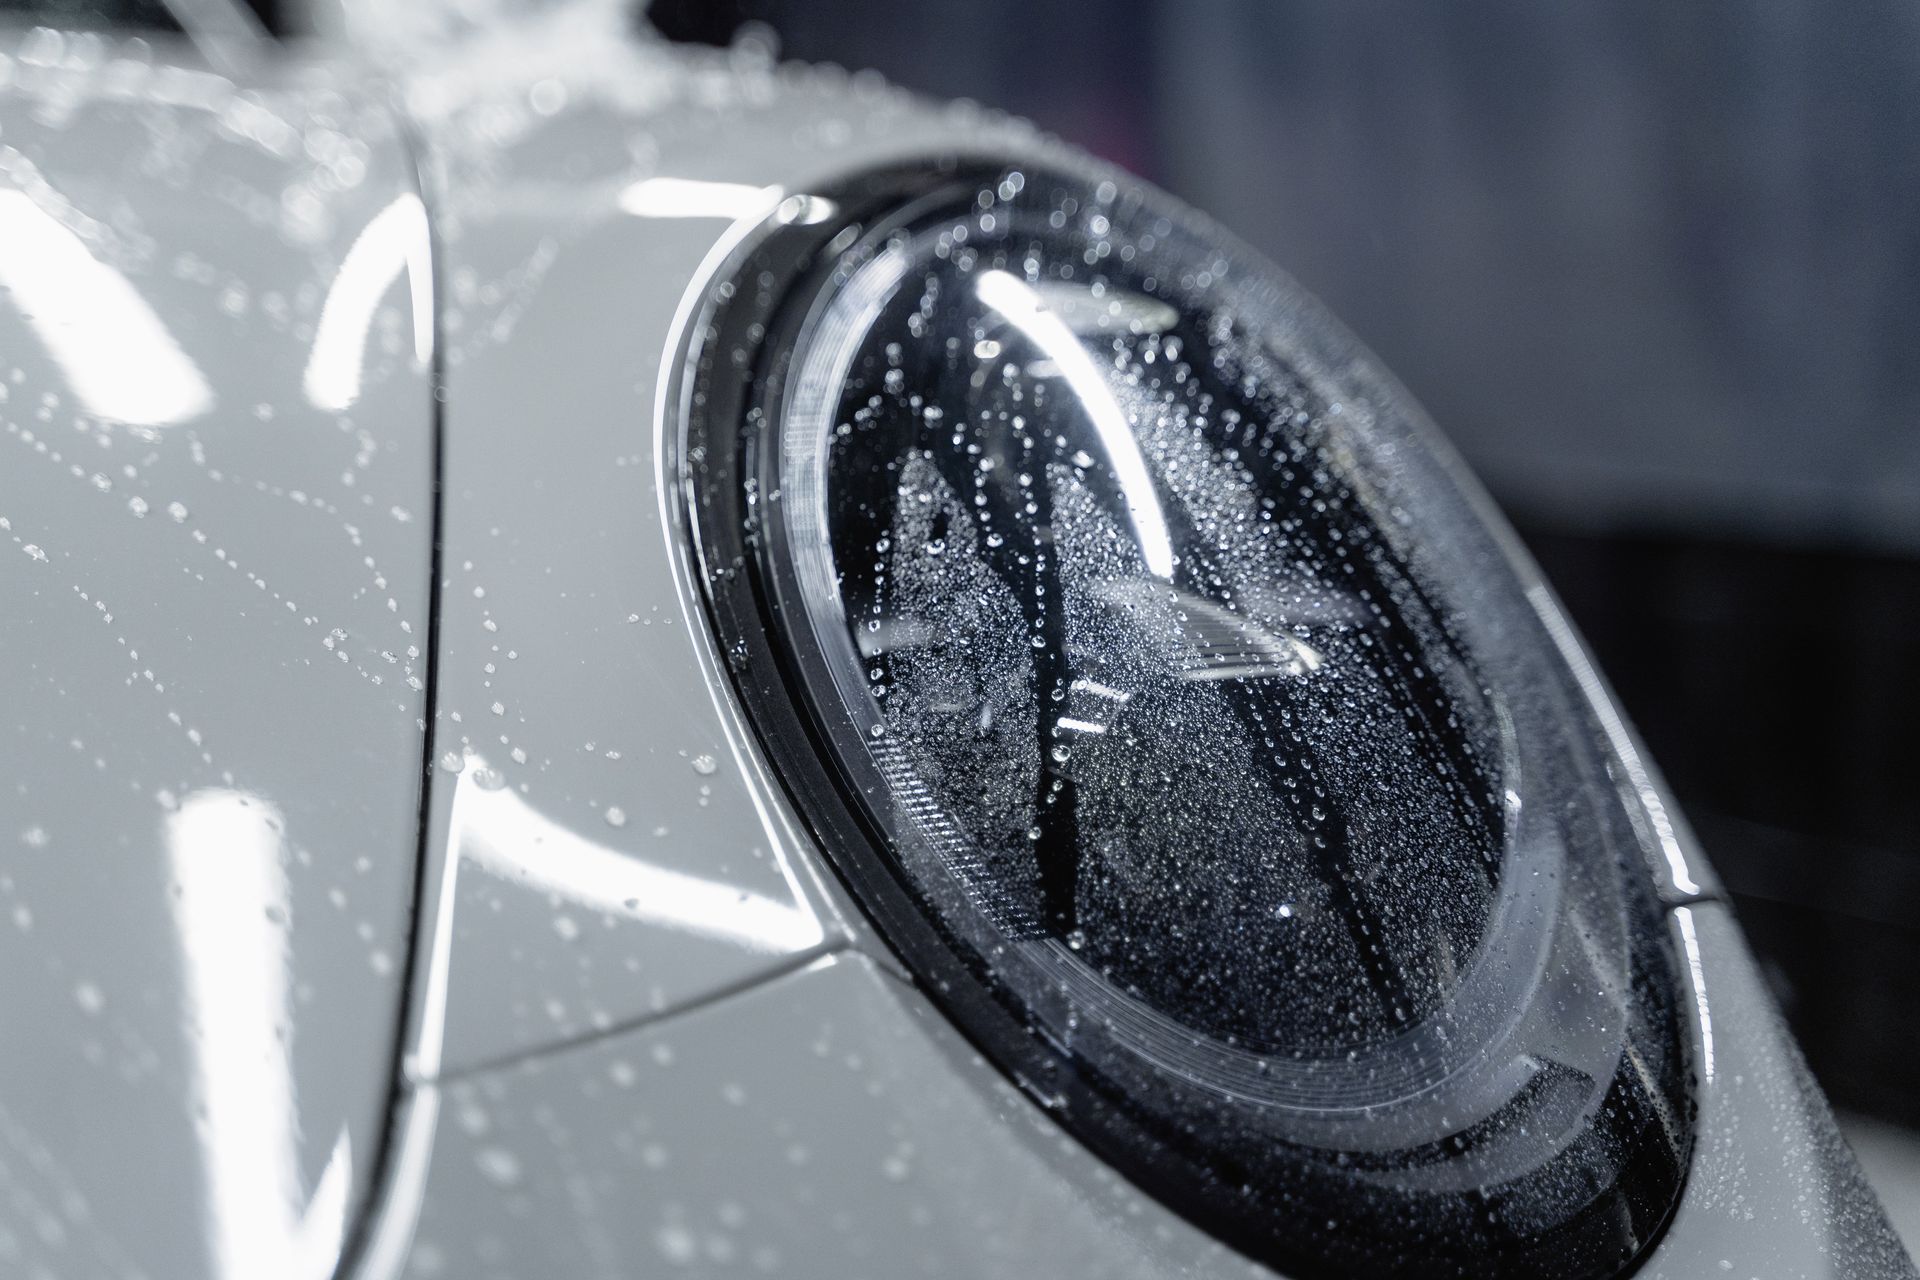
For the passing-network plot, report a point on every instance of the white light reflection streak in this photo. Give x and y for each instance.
(397, 1214)
(1697, 974)
(1026, 311)
(230, 910)
(323, 1227)
(675, 545)
(493, 828)
(1617, 736)
(697, 198)
(396, 240)
(501, 832)
(116, 353)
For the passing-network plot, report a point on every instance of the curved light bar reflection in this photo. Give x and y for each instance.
(396, 240)
(1028, 312)
(503, 834)
(493, 828)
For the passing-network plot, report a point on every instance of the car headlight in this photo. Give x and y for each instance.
(1149, 674)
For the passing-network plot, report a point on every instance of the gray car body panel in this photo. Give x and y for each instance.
(1774, 1190)
(827, 1123)
(647, 1028)
(215, 485)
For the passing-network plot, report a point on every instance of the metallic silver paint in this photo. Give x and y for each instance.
(213, 595)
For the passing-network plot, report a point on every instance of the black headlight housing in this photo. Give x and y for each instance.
(1159, 685)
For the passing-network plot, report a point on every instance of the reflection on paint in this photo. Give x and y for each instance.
(1026, 311)
(230, 910)
(494, 829)
(389, 1237)
(502, 833)
(323, 1227)
(115, 353)
(1618, 737)
(396, 240)
(1696, 975)
(695, 198)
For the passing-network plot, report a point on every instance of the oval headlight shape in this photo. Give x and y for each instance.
(1158, 683)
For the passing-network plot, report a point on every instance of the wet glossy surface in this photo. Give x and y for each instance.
(1199, 745)
(215, 469)
(608, 851)
(829, 1123)
(578, 189)
(1179, 700)
(1774, 1190)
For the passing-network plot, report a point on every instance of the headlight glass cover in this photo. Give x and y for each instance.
(1162, 688)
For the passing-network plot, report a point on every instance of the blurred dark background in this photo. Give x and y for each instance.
(1656, 270)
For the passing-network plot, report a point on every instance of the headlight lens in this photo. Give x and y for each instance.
(1148, 673)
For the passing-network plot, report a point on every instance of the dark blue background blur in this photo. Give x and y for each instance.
(1656, 269)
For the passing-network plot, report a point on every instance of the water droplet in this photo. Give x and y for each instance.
(500, 1166)
(616, 816)
(704, 764)
(547, 97)
(677, 1243)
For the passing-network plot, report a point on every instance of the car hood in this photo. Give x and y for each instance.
(216, 488)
